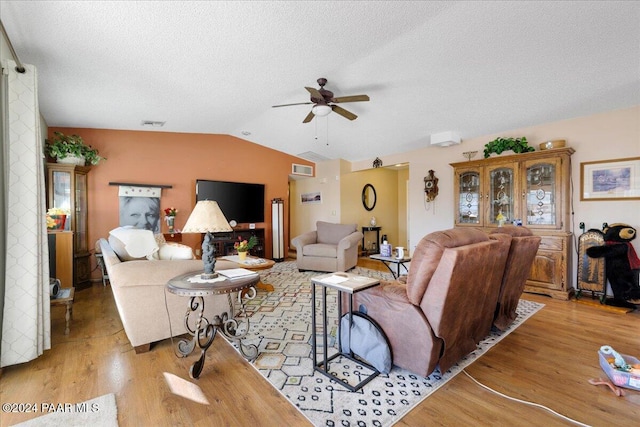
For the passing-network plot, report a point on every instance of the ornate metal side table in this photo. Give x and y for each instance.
(203, 330)
(388, 260)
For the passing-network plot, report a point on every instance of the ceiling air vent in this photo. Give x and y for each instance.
(301, 170)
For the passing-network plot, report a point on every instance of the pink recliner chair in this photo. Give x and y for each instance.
(435, 314)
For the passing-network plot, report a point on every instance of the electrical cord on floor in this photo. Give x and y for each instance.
(525, 402)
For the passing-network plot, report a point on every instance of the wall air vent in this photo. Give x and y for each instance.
(301, 170)
(152, 123)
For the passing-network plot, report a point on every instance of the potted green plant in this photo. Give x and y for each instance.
(498, 145)
(71, 149)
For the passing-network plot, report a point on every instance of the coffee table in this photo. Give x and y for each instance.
(388, 260)
(253, 263)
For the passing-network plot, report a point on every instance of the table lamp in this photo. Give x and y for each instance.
(207, 218)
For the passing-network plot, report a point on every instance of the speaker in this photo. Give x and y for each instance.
(277, 228)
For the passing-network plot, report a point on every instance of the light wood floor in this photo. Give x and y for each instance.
(547, 360)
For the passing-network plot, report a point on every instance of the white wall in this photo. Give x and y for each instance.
(303, 217)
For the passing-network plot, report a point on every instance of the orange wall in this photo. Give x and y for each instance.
(178, 159)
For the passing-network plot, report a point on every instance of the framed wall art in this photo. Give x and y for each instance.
(311, 197)
(140, 207)
(617, 179)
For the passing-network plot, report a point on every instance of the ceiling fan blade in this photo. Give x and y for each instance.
(354, 98)
(309, 117)
(344, 113)
(287, 105)
(315, 93)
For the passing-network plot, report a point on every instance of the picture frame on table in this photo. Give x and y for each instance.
(615, 179)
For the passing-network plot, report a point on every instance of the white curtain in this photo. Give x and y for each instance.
(25, 318)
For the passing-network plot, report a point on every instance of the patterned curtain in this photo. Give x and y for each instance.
(25, 319)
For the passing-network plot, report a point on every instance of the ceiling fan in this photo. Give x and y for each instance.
(324, 102)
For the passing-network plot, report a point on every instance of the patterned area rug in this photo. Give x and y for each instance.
(281, 329)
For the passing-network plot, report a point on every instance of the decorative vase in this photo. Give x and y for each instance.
(373, 221)
(243, 255)
(170, 223)
(60, 221)
(71, 159)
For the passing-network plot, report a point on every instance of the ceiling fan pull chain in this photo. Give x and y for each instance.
(327, 119)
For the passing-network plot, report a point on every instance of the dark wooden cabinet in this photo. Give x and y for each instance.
(224, 241)
(173, 237)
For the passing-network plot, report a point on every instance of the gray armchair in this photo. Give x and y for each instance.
(331, 247)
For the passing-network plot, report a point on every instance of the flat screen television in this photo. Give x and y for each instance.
(238, 201)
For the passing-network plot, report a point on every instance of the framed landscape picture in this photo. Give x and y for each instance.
(315, 197)
(617, 179)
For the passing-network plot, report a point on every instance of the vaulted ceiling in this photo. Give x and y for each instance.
(474, 67)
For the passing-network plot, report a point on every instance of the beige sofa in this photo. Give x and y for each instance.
(144, 305)
(331, 247)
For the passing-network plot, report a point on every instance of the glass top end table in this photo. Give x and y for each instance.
(389, 260)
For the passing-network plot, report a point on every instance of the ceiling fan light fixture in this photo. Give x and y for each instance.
(321, 110)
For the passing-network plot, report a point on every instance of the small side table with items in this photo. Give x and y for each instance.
(65, 298)
(372, 249)
(204, 331)
(347, 283)
(100, 263)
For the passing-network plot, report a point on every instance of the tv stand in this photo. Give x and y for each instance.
(224, 241)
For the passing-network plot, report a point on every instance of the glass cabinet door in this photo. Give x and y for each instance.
(80, 217)
(469, 196)
(541, 194)
(60, 195)
(502, 203)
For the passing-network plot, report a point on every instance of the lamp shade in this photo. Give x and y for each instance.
(206, 217)
(321, 110)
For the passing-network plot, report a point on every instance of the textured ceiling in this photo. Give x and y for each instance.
(218, 67)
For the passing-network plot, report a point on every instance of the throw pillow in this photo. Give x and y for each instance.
(132, 243)
(160, 240)
(172, 250)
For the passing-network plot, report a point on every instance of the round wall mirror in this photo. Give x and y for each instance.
(369, 197)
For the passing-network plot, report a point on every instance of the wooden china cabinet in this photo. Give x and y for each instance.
(533, 188)
(67, 189)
